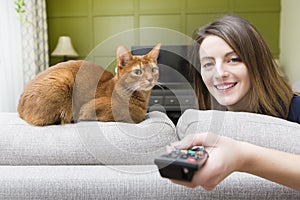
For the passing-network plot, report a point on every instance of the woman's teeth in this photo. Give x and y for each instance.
(224, 87)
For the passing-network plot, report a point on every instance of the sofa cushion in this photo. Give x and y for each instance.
(258, 129)
(85, 142)
(125, 182)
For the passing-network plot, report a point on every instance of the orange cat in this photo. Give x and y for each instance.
(80, 90)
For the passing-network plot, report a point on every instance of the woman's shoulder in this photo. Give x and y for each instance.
(294, 112)
(295, 100)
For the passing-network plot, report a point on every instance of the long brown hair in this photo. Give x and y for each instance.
(269, 94)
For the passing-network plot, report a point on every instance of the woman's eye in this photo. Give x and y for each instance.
(205, 65)
(137, 72)
(235, 60)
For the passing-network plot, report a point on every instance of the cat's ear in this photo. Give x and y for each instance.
(154, 53)
(123, 56)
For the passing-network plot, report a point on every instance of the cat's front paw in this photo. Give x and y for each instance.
(86, 117)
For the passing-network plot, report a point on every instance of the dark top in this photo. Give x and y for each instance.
(294, 112)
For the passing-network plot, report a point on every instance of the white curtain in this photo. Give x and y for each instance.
(34, 38)
(11, 70)
(23, 49)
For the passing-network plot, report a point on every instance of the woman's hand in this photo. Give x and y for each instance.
(224, 158)
(227, 155)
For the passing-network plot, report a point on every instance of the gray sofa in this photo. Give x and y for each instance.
(96, 160)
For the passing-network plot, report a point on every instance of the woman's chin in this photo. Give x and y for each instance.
(225, 101)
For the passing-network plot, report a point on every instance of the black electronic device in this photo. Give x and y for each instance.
(181, 164)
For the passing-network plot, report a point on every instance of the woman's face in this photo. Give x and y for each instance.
(224, 74)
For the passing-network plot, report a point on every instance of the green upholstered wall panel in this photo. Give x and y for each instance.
(165, 21)
(91, 22)
(70, 8)
(113, 7)
(159, 6)
(255, 5)
(105, 27)
(204, 6)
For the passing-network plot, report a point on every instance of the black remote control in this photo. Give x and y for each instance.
(181, 164)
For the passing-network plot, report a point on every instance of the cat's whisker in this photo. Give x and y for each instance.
(144, 84)
(131, 89)
(160, 85)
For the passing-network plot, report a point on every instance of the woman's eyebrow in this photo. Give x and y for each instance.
(212, 58)
(207, 58)
(229, 54)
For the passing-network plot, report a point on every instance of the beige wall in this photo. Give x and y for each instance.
(290, 41)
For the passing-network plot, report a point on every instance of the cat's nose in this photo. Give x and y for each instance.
(150, 80)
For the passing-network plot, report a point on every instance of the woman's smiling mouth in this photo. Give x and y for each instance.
(225, 86)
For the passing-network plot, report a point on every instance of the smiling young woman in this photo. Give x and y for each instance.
(235, 67)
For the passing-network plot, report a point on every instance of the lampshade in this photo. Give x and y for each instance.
(64, 47)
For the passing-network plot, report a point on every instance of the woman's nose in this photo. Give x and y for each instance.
(221, 70)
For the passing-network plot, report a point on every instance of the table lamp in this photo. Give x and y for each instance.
(64, 48)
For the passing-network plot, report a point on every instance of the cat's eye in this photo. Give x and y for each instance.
(137, 71)
(154, 70)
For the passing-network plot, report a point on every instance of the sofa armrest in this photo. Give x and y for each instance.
(84, 143)
(258, 129)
